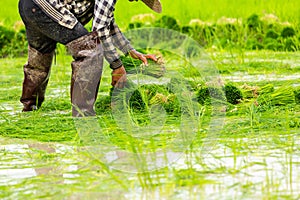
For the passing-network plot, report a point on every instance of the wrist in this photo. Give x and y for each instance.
(116, 64)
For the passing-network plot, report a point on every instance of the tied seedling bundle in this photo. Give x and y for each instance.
(297, 95)
(228, 93)
(250, 92)
(154, 69)
(281, 96)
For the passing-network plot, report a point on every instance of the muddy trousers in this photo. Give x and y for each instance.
(86, 75)
(43, 33)
(36, 76)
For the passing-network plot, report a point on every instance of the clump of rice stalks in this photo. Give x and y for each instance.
(297, 95)
(233, 93)
(229, 93)
(272, 44)
(6, 36)
(249, 91)
(254, 22)
(149, 95)
(169, 102)
(281, 96)
(272, 34)
(269, 88)
(12, 43)
(205, 94)
(167, 22)
(288, 32)
(134, 25)
(291, 44)
(154, 69)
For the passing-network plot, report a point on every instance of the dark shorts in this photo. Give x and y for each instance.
(42, 32)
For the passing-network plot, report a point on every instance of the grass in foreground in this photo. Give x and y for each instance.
(252, 140)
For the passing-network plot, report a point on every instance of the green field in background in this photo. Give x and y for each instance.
(185, 10)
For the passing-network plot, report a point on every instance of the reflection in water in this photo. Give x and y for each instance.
(224, 172)
(18, 162)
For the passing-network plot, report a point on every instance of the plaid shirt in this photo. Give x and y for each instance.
(109, 32)
(68, 12)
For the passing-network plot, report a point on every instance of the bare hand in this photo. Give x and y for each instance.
(118, 77)
(143, 57)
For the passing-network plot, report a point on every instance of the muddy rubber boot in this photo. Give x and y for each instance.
(36, 76)
(86, 73)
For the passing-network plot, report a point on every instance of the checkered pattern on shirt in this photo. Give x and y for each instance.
(114, 40)
(65, 11)
(109, 33)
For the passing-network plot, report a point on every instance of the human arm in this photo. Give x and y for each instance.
(112, 38)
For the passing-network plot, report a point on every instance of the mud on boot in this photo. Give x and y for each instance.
(36, 76)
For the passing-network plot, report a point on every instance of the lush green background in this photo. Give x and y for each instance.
(185, 10)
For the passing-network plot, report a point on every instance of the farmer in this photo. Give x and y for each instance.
(49, 22)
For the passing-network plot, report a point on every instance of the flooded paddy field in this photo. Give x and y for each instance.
(243, 151)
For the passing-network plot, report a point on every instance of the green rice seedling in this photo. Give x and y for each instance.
(149, 95)
(249, 91)
(266, 89)
(12, 43)
(103, 104)
(253, 113)
(154, 69)
(279, 97)
(297, 95)
(272, 44)
(167, 22)
(254, 23)
(204, 35)
(252, 91)
(205, 94)
(6, 37)
(134, 25)
(288, 32)
(233, 93)
(291, 44)
(271, 33)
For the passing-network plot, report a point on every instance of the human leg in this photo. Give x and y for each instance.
(43, 34)
(86, 73)
(36, 76)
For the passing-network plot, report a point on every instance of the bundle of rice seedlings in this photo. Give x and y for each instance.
(269, 88)
(154, 69)
(281, 96)
(249, 91)
(297, 95)
(205, 94)
(230, 93)
(233, 93)
(167, 22)
(148, 95)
